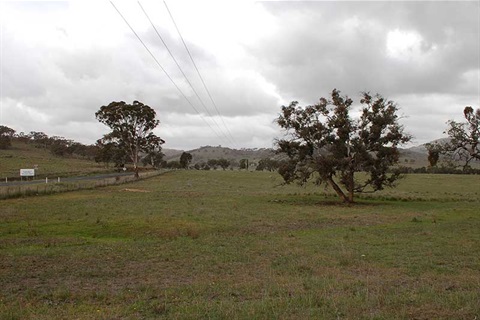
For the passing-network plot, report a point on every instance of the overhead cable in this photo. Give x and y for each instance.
(183, 73)
(164, 71)
(198, 72)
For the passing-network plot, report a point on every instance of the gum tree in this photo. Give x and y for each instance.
(323, 142)
(463, 144)
(132, 128)
(6, 135)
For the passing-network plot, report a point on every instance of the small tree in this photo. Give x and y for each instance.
(212, 163)
(464, 143)
(434, 151)
(185, 160)
(109, 152)
(153, 158)
(267, 164)
(132, 128)
(223, 163)
(325, 142)
(6, 135)
(243, 164)
(40, 139)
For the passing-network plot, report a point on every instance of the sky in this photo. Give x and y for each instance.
(61, 61)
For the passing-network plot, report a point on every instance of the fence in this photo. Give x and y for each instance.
(7, 192)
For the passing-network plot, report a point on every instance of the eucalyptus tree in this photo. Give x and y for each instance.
(325, 143)
(463, 144)
(132, 128)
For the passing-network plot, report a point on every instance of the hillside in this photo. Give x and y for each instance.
(205, 153)
(26, 156)
(415, 156)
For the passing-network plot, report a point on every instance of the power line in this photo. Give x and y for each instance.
(164, 71)
(183, 73)
(198, 72)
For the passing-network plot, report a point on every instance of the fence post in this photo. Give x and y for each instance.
(46, 179)
(58, 179)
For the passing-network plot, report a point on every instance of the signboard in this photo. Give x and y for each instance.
(27, 172)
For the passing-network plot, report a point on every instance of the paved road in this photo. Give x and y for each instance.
(53, 180)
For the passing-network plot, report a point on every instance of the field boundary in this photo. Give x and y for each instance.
(27, 190)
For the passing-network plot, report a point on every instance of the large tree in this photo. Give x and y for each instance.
(324, 142)
(464, 139)
(132, 128)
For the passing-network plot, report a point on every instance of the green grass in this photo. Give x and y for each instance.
(41, 188)
(25, 156)
(228, 244)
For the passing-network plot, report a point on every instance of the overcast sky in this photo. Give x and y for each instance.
(61, 61)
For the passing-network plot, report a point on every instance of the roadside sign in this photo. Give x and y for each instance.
(27, 172)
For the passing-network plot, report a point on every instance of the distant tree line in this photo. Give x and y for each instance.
(444, 169)
(58, 146)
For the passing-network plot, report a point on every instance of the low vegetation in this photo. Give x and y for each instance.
(23, 155)
(58, 185)
(235, 244)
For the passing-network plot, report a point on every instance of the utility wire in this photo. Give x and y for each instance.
(183, 73)
(198, 72)
(164, 71)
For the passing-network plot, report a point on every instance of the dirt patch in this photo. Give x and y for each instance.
(136, 190)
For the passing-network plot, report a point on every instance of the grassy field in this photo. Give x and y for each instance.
(229, 244)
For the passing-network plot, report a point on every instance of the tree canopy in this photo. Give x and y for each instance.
(324, 142)
(185, 160)
(132, 128)
(6, 135)
(463, 144)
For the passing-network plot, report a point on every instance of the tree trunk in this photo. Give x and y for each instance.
(136, 172)
(339, 191)
(351, 186)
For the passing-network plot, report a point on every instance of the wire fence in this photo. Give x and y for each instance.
(18, 191)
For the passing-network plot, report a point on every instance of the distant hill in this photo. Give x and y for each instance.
(415, 156)
(203, 154)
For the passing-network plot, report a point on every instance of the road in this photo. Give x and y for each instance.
(71, 179)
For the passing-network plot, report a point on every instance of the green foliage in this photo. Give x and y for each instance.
(464, 143)
(434, 151)
(185, 160)
(153, 158)
(132, 128)
(243, 164)
(324, 140)
(223, 163)
(6, 135)
(268, 164)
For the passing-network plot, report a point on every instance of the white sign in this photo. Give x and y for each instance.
(27, 172)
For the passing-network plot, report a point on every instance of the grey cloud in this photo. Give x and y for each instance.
(313, 52)
(317, 46)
